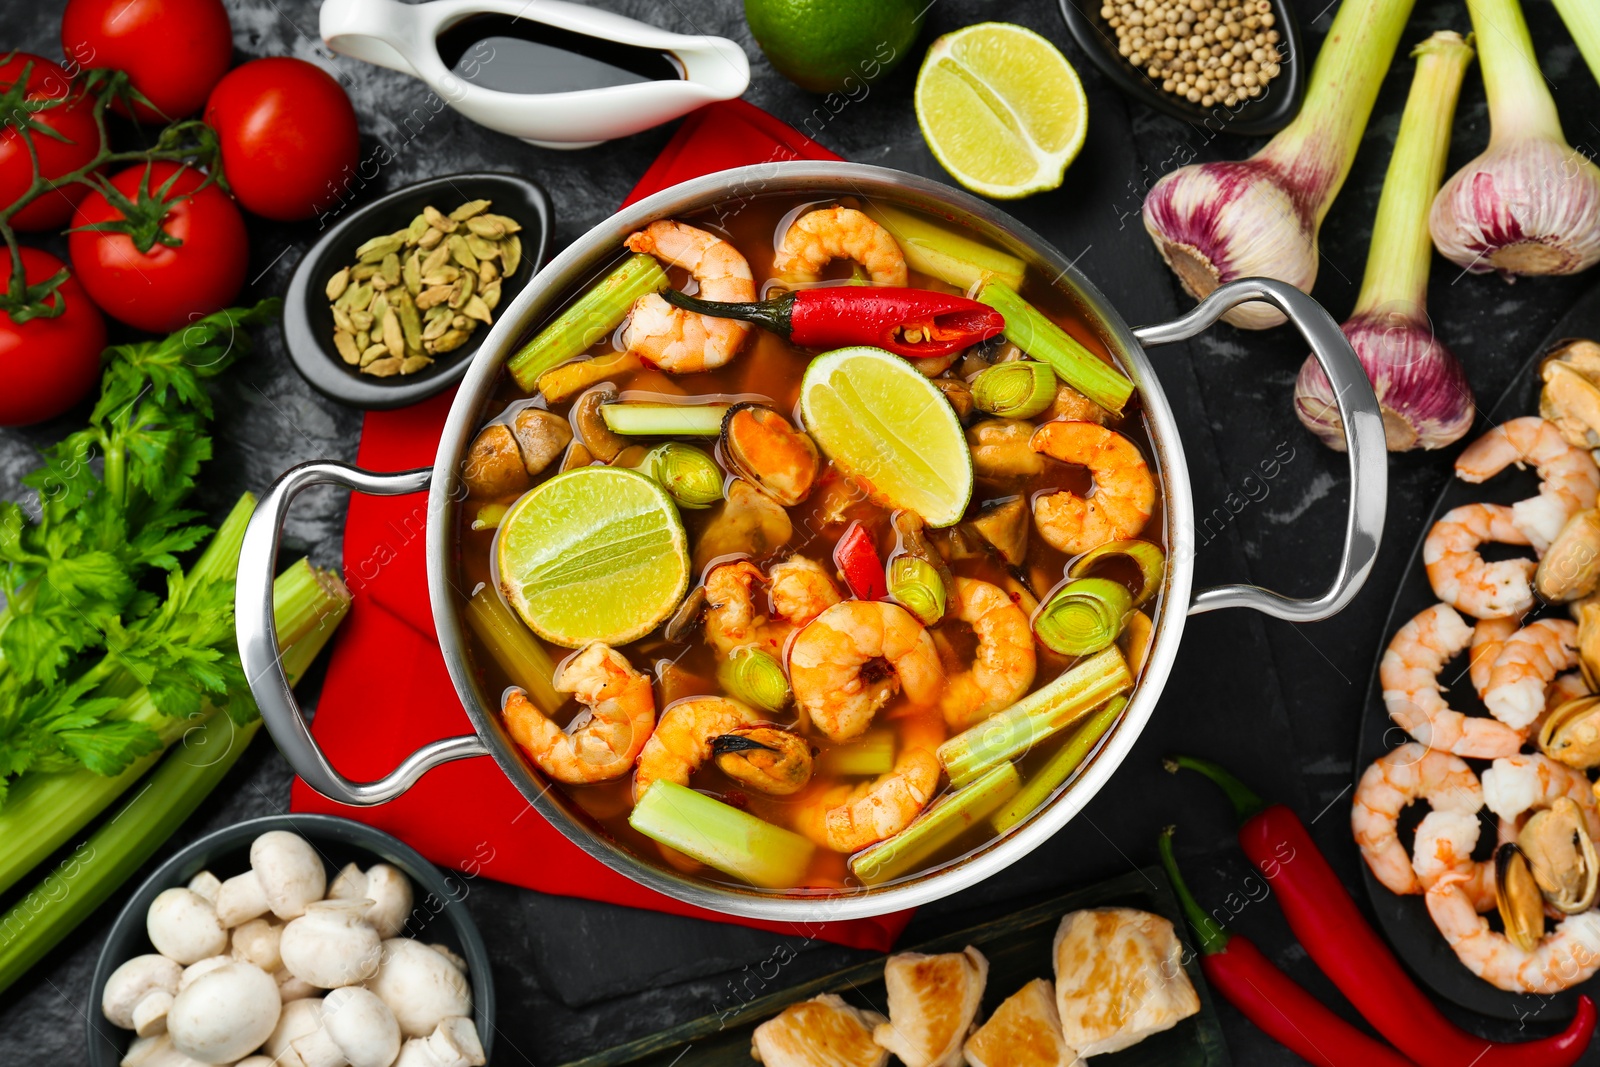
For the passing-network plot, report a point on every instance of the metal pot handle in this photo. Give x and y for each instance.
(258, 640)
(1363, 434)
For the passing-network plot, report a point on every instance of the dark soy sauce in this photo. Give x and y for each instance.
(513, 55)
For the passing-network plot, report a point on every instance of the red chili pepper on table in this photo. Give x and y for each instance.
(857, 559)
(1266, 996)
(1338, 938)
(918, 323)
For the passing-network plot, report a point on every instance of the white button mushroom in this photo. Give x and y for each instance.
(199, 967)
(138, 994)
(298, 1018)
(156, 1051)
(357, 1029)
(388, 889)
(292, 988)
(225, 1013)
(455, 961)
(453, 1043)
(420, 986)
(257, 1061)
(256, 941)
(348, 884)
(285, 875)
(332, 944)
(184, 927)
(206, 884)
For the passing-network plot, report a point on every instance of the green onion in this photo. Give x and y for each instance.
(1146, 556)
(1059, 767)
(755, 676)
(1083, 616)
(1008, 734)
(871, 754)
(945, 254)
(515, 649)
(643, 419)
(1030, 330)
(734, 842)
(1583, 22)
(592, 316)
(937, 827)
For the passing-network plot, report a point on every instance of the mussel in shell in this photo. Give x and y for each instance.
(1561, 856)
(1518, 898)
(765, 758)
(1570, 398)
(1571, 733)
(746, 523)
(766, 449)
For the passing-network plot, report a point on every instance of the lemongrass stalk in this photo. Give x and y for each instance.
(720, 836)
(1583, 22)
(942, 253)
(869, 755)
(515, 649)
(1036, 334)
(1043, 783)
(643, 419)
(938, 827)
(592, 316)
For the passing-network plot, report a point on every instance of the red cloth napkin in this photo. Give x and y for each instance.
(387, 691)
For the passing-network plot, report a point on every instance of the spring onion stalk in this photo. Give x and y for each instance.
(871, 754)
(1218, 222)
(942, 253)
(563, 383)
(1032, 331)
(1008, 734)
(1083, 616)
(1530, 204)
(1583, 22)
(1422, 388)
(1047, 779)
(517, 651)
(592, 316)
(720, 836)
(1148, 557)
(754, 675)
(937, 827)
(644, 419)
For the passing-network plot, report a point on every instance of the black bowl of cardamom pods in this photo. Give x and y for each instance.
(388, 307)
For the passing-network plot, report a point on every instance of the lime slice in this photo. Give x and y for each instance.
(1001, 109)
(595, 554)
(881, 422)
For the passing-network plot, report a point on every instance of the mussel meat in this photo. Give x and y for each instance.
(1587, 612)
(1570, 569)
(1561, 856)
(1571, 733)
(746, 523)
(765, 758)
(1570, 398)
(766, 449)
(1518, 898)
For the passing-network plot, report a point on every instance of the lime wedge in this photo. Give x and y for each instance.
(595, 554)
(881, 422)
(1001, 109)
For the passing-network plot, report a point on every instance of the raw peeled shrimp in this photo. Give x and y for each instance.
(1488, 638)
(837, 665)
(1003, 668)
(819, 237)
(1566, 956)
(1515, 785)
(680, 341)
(1123, 496)
(799, 590)
(1459, 575)
(1396, 779)
(848, 818)
(1528, 662)
(1568, 476)
(1443, 845)
(682, 739)
(622, 713)
(1409, 674)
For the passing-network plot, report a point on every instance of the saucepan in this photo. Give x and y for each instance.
(443, 482)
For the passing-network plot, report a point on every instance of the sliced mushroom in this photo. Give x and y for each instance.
(576, 456)
(494, 466)
(766, 449)
(1004, 525)
(1571, 733)
(959, 393)
(592, 429)
(1570, 569)
(1001, 452)
(747, 523)
(1561, 856)
(541, 435)
(683, 621)
(1518, 898)
(1570, 398)
(765, 758)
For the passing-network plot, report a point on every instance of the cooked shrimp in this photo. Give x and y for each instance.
(849, 818)
(1443, 845)
(1528, 662)
(1409, 674)
(622, 712)
(837, 665)
(799, 590)
(1002, 670)
(1459, 575)
(1488, 638)
(1528, 781)
(1568, 476)
(1119, 505)
(1396, 779)
(819, 237)
(680, 341)
(1568, 955)
(682, 739)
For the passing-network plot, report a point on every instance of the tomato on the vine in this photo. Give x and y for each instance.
(173, 50)
(69, 140)
(47, 364)
(288, 135)
(166, 252)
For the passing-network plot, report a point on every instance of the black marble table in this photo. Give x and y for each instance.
(1278, 702)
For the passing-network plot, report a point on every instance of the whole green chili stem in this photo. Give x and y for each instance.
(1520, 106)
(1213, 936)
(1244, 800)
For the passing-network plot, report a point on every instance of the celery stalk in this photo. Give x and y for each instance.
(870, 754)
(734, 842)
(592, 316)
(944, 253)
(1008, 734)
(637, 419)
(515, 649)
(1030, 330)
(938, 826)
(1059, 767)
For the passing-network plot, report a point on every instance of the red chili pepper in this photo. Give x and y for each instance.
(1266, 996)
(1338, 938)
(857, 558)
(918, 323)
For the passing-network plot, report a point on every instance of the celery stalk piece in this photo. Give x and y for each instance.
(1008, 734)
(1059, 767)
(639, 419)
(870, 754)
(1032, 331)
(944, 253)
(592, 316)
(734, 842)
(938, 826)
(515, 649)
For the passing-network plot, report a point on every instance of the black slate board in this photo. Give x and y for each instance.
(1018, 947)
(1404, 920)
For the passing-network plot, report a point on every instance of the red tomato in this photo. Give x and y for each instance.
(173, 50)
(47, 365)
(165, 287)
(73, 120)
(288, 136)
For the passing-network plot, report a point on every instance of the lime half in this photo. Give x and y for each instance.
(595, 554)
(1001, 109)
(881, 422)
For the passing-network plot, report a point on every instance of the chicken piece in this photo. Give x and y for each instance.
(1119, 979)
(1025, 1031)
(821, 1032)
(932, 1002)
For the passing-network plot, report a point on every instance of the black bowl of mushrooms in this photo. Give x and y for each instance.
(294, 940)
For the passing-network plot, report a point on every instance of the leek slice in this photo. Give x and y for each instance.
(1030, 330)
(718, 835)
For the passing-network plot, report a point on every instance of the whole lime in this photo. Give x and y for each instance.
(831, 46)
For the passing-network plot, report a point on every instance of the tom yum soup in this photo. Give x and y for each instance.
(797, 565)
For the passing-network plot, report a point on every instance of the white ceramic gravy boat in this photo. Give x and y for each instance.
(404, 37)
